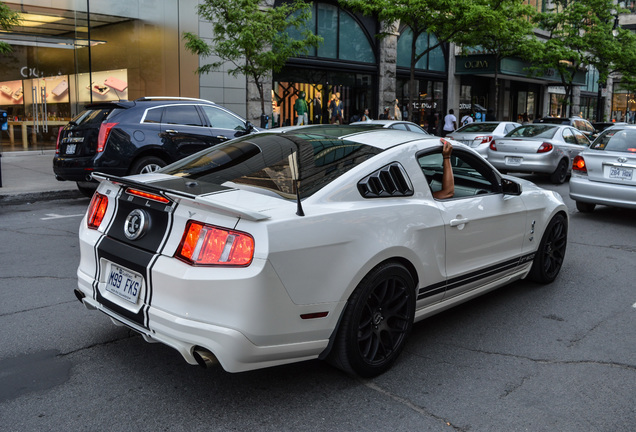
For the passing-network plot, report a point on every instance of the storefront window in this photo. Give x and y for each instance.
(623, 105)
(63, 59)
(433, 60)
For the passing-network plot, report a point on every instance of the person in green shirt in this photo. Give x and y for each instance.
(301, 109)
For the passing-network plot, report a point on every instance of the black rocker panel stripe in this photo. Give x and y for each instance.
(136, 260)
(473, 276)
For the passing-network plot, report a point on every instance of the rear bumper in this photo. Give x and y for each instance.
(531, 162)
(609, 194)
(81, 168)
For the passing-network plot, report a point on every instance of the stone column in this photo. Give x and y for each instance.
(387, 69)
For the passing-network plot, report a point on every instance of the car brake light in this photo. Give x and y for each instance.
(57, 143)
(210, 245)
(544, 147)
(578, 165)
(493, 146)
(102, 136)
(97, 210)
(484, 139)
(148, 195)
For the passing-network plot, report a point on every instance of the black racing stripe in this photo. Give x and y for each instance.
(431, 290)
(131, 258)
(457, 282)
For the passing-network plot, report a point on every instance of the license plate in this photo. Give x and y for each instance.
(70, 148)
(621, 173)
(124, 283)
(514, 161)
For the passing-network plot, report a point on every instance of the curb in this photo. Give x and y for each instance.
(30, 197)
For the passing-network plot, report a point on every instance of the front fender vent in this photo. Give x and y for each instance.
(389, 181)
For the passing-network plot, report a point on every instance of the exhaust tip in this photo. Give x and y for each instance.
(80, 295)
(205, 358)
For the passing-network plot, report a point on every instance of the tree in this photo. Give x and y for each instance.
(447, 20)
(8, 19)
(505, 30)
(253, 37)
(579, 33)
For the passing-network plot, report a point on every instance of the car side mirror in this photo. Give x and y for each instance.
(510, 187)
(249, 127)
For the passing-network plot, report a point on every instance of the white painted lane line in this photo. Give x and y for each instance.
(57, 216)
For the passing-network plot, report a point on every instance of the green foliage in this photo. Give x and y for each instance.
(252, 36)
(8, 19)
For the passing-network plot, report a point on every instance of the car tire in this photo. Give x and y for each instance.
(87, 188)
(584, 207)
(376, 322)
(551, 252)
(561, 173)
(147, 164)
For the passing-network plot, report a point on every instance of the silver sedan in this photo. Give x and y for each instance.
(394, 124)
(538, 148)
(479, 135)
(604, 174)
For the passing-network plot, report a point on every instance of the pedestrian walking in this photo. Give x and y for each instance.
(450, 123)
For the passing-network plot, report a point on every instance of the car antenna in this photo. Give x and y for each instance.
(299, 207)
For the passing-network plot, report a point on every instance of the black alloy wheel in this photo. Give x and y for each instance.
(561, 173)
(376, 322)
(551, 252)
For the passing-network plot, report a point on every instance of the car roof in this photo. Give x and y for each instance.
(383, 122)
(148, 100)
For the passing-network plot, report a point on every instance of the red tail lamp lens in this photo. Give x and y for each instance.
(97, 210)
(102, 136)
(578, 165)
(57, 143)
(493, 146)
(148, 195)
(209, 245)
(544, 147)
(484, 139)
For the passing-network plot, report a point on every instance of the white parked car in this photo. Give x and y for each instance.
(316, 242)
(538, 148)
(394, 124)
(479, 135)
(604, 174)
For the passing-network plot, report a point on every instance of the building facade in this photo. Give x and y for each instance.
(67, 53)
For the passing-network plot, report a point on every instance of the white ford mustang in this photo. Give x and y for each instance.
(315, 242)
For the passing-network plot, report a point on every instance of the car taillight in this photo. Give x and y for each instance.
(102, 136)
(210, 245)
(493, 146)
(57, 143)
(544, 147)
(484, 139)
(578, 165)
(97, 210)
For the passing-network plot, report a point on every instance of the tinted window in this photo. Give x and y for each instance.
(416, 128)
(400, 126)
(619, 140)
(217, 118)
(478, 127)
(581, 139)
(472, 176)
(182, 115)
(92, 116)
(536, 130)
(153, 115)
(568, 136)
(510, 127)
(275, 162)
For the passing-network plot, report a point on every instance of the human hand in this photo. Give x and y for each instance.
(447, 149)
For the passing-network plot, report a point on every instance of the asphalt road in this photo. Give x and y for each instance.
(560, 357)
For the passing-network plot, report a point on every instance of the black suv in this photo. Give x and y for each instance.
(576, 122)
(140, 136)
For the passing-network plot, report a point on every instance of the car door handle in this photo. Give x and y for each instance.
(458, 221)
(172, 131)
(221, 137)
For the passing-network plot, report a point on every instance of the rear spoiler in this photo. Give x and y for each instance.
(179, 196)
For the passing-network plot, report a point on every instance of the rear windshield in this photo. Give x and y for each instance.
(533, 131)
(478, 127)
(91, 117)
(619, 140)
(275, 162)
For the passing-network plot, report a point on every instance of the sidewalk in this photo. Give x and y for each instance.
(28, 176)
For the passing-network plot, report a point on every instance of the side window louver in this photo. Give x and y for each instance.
(389, 181)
